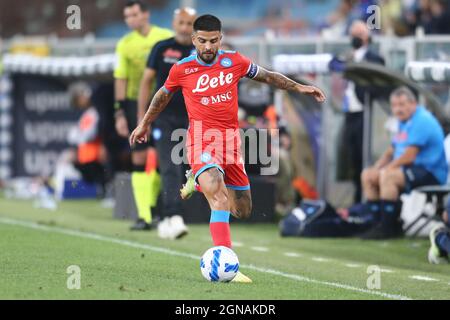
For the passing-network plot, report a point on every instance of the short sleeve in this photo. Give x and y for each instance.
(172, 84)
(419, 133)
(121, 67)
(248, 68)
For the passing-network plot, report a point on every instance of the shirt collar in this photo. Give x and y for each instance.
(360, 53)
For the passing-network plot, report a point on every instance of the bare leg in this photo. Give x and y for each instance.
(240, 203)
(391, 182)
(370, 182)
(214, 189)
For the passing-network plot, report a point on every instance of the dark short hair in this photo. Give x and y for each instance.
(132, 3)
(207, 22)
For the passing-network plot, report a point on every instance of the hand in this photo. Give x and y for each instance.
(139, 135)
(390, 166)
(122, 126)
(313, 91)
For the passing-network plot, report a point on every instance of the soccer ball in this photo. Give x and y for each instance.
(219, 264)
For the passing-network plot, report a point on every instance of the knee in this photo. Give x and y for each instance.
(368, 175)
(365, 176)
(386, 177)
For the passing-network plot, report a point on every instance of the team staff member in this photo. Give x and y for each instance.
(353, 104)
(415, 158)
(132, 52)
(163, 56)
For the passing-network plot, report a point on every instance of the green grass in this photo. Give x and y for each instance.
(34, 261)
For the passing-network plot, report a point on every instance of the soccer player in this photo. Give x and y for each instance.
(163, 56)
(209, 82)
(132, 52)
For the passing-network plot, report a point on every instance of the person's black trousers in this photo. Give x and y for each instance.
(172, 175)
(354, 128)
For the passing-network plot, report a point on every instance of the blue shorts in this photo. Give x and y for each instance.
(417, 176)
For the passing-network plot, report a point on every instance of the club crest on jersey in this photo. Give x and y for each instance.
(226, 62)
(205, 157)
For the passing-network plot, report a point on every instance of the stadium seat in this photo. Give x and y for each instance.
(435, 195)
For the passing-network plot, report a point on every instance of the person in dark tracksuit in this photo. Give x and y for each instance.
(162, 57)
(353, 103)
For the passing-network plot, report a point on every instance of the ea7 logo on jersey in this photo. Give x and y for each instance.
(204, 82)
(190, 70)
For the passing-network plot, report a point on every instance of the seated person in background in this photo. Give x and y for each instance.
(90, 156)
(415, 158)
(284, 193)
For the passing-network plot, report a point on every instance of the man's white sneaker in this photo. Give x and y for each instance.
(164, 229)
(177, 227)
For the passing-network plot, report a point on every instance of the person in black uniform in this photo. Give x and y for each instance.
(163, 56)
(354, 102)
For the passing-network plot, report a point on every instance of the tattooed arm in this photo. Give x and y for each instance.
(158, 104)
(282, 82)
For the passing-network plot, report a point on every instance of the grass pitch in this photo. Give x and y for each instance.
(37, 247)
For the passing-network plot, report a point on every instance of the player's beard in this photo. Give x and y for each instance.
(208, 58)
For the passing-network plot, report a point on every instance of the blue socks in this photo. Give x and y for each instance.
(443, 242)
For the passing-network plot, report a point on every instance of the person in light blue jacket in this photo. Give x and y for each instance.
(415, 158)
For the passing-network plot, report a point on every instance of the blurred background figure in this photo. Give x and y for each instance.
(354, 100)
(285, 198)
(440, 240)
(431, 16)
(340, 20)
(163, 56)
(415, 158)
(91, 156)
(132, 52)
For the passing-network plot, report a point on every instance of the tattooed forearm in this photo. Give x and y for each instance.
(276, 79)
(158, 104)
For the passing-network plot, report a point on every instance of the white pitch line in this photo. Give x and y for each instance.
(320, 259)
(353, 265)
(386, 270)
(237, 244)
(423, 278)
(292, 254)
(98, 237)
(260, 249)
(331, 284)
